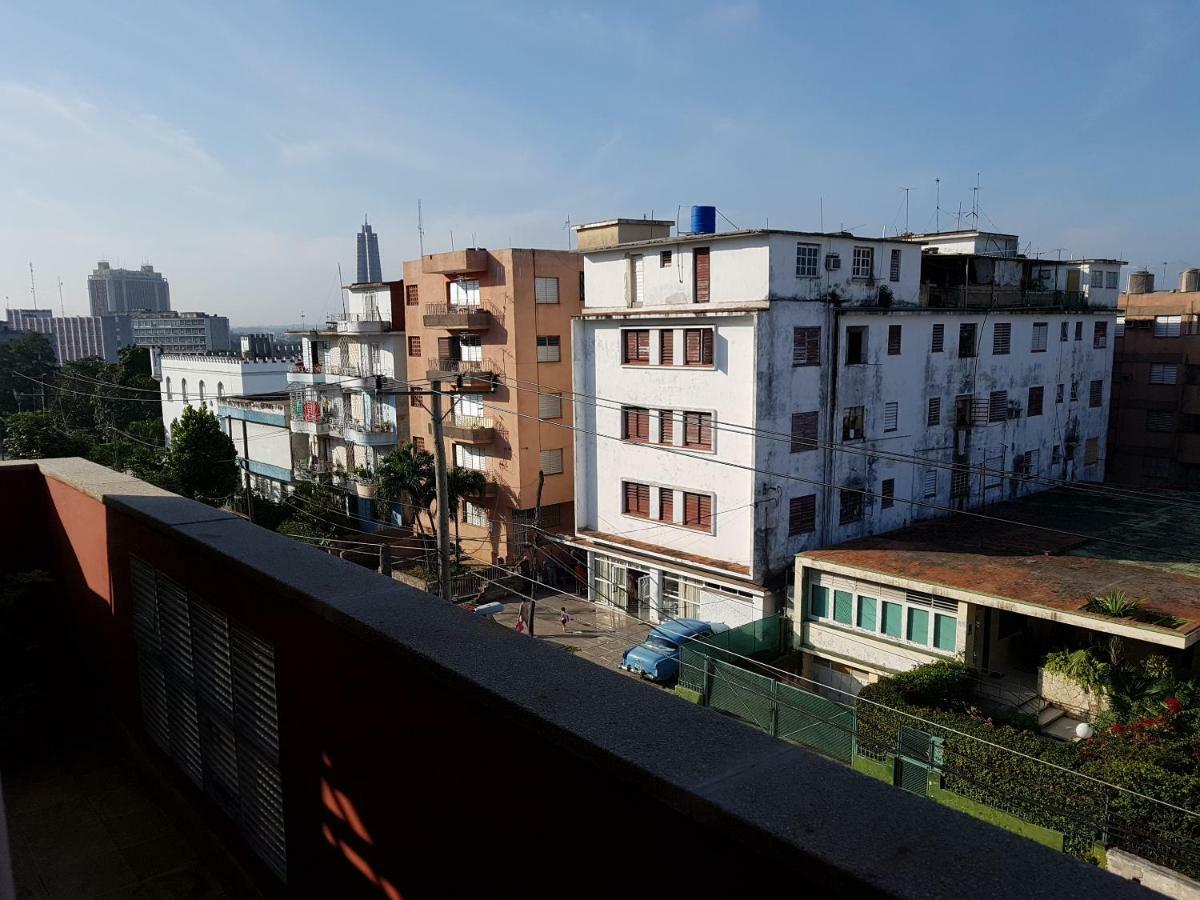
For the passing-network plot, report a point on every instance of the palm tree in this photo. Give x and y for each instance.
(461, 483)
(406, 475)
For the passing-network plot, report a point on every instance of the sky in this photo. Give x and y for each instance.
(237, 147)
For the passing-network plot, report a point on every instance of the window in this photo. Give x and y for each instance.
(843, 607)
(945, 630)
(549, 348)
(411, 295)
(806, 260)
(1040, 336)
(850, 506)
(666, 426)
(1001, 338)
(806, 346)
(470, 457)
(891, 416)
(894, 334)
(894, 273)
(818, 601)
(1112, 280)
(939, 338)
(802, 514)
(698, 347)
(1095, 278)
(1096, 393)
(202, 391)
(852, 423)
(666, 505)
(1074, 391)
(419, 444)
(220, 391)
(1056, 455)
(1035, 401)
(664, 259)
(183, 389)
(1058, 394)
(1079, 331)
(170, 396)
(581, 287)
(636, 349)
(1168, 326)
(550, 405)
(933, 414)
(1062, 330)
(697, 430)
(464, 292)
(552, 462)
(887, 493)
(918, 626)
(697, 510)
(1160, 420)
(636, 424)
(856, 345)
(966, 340)
(1160, 373)
(864, 262)
(804, 431)
(960, 482)
(636, 499)
(637, 279)
(866, 613)
(1099, 335)
(1091, 451)
(997, 406)
(1120, 330)
(929, 483)
(893, 616)
(414, 399)
(666, 347)
(700, 273)
(474, 515)
(414, 346)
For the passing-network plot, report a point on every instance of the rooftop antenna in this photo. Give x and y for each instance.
(937, 221)
(905, 209)
(33, 284)
(1164, 265)
(62, 306)
(958, 217)
(567, 226)
(975, 202)
(452, 239)
(420, 229)
(341, 289)
(822, 215)
(1059, 251)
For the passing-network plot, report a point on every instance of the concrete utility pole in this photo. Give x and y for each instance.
(443, 505)
(246, 470)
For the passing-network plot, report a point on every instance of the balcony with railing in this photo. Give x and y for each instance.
(457, 317)
(357, 323)
(470, 429)
(999, 297)
(379, 433)
(475, 375)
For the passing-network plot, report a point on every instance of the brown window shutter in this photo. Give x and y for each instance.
(804, 431)
(706, 430)
(666, 426)
(802, 514)
(643, 346)
(701, 262)
(706, 347)
(411, 294)
(630, 497)
(691, 429)
(705, 511)
(691, 509)
(666, 505)
(630, 346)
(643, 496)
(666, 350)
(414, 346)
(692, 347)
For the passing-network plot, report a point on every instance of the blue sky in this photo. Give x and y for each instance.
(237, 146)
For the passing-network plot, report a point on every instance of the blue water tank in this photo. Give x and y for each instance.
(704, 219)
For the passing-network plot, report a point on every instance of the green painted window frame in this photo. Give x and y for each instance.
(945, 632)
(843, 607)
(818, 601)
(915, 615)
(867, 613)
(889, 628)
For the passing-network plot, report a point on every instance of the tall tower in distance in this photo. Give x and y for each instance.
(368, 256)
(112, 291)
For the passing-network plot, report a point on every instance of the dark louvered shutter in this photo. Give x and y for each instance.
(666, 427)
(701, 258)
(691, 355)
(804, 431)
(666, 504)
(666, 348)
(802, 514)
(706, 430)
(705, 511)
(706, 347)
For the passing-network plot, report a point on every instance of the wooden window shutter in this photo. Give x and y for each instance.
(701, 260)
(804, 431)
(706, 347)
(666, 426)
(802, 514)
(705, 510)
(666, 349)
(692, 347)
(666, 505)
(414, 346)
(806, 346)
(411, 294)
(706, 430)
(691, 508)
(630, 346)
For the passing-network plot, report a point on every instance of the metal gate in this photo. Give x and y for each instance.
(824, 725)
(918, 753)
(744, 694)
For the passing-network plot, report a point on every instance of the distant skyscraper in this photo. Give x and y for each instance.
(76, 337)
(368, 256)
(127, 290)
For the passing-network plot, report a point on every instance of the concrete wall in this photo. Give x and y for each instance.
(222, 376)
(1164, 881)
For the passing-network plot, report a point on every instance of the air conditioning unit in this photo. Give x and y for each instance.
(833, 261)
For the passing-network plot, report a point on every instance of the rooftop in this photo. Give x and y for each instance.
(704, 238)
(1132, 548)
(608, 223)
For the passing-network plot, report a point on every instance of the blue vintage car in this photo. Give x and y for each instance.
(657, 657)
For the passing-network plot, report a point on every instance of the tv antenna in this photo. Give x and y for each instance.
(905, 209)
(937, 221)
(62, 306)
(567, 226)
(33, 284)
(420, 229)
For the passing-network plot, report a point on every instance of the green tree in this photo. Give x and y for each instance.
(35, 435)
(31, 355)
(406, 476)
(461, 483)
(317, 509)
(201, 459)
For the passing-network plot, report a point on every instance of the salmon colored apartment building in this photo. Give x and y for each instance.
(494, 328)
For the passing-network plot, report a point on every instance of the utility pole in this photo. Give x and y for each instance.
(443, 493)
(245, 466)
(905, 209)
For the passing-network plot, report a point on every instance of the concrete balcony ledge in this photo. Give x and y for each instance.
(455, 262)
(407, 711)
(456, 318)
(363, 326)
(471, 429)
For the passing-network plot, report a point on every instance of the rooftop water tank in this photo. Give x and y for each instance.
(1141, 282)
(1190, 280)
(704, 219)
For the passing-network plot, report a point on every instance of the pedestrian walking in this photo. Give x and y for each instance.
(563, 618)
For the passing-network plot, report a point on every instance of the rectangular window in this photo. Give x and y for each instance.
(850, 506)
(866, 613)
(637, 279)
(856, 345)
(636, 499)
(666, 347)
(887, 493)
(893, 614)
(636, 424)
(1058, 394)
(464, 292)
(1099, 335)
(697, 511)
(960, 482)
(939, 338)
(1074, 391)
(1091, 451)
(1163, 373)
(552, 462)
(411, 294)
(852, 423)
(1160, 420)
(697, 430)
(636, 347)
(549, 348)
(894, 273)
(1168, 326)
(818, 601)
(469, 457)
(1056, 455)
(806, 346)
(666, 426)
(700, 265)
(664, 259)
(1036, 398)
(414, 346)
(414, 399)
(807, 260)
(1095, 278)
(864, 262)
(966, 340)
(933, 415)
(998, 406)
(550, 406)
(1001, 338)
(666, 505)
(929, 483)
(802, 514)
(1120, 331)
(419, 444)
(1041, 333)
(1062, 330)
(474, 515)
(698, 347)
(843, 607)
(918, 626)
(804, 431)
(894, 334)
(1079, 331)
(1112, 280)
(945, 631)
(581, 279)
(1096, 393)
(449, 347)
(891, 416)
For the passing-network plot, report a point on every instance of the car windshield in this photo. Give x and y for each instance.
(660, 643)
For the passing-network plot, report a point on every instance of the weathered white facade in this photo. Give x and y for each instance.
(818, 415)
(196, 379)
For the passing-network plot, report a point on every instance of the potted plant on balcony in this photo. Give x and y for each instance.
(364, 481)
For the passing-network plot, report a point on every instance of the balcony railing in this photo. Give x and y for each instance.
(457, 317)
(471, 429)
(460, 421)
(995, 296)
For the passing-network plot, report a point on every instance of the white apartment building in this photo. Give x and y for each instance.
(260, 428)
(344, 389)
(762, 393)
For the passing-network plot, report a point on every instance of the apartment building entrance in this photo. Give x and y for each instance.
(639, 594)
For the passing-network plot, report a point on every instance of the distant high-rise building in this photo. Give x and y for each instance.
(369, 271)
(181, 332)
(127, 290)
(75, 337)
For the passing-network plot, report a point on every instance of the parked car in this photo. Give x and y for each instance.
(657, 657)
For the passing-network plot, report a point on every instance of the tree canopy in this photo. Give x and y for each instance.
(201, 459)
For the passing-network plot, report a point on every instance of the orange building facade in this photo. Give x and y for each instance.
(494, 329)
